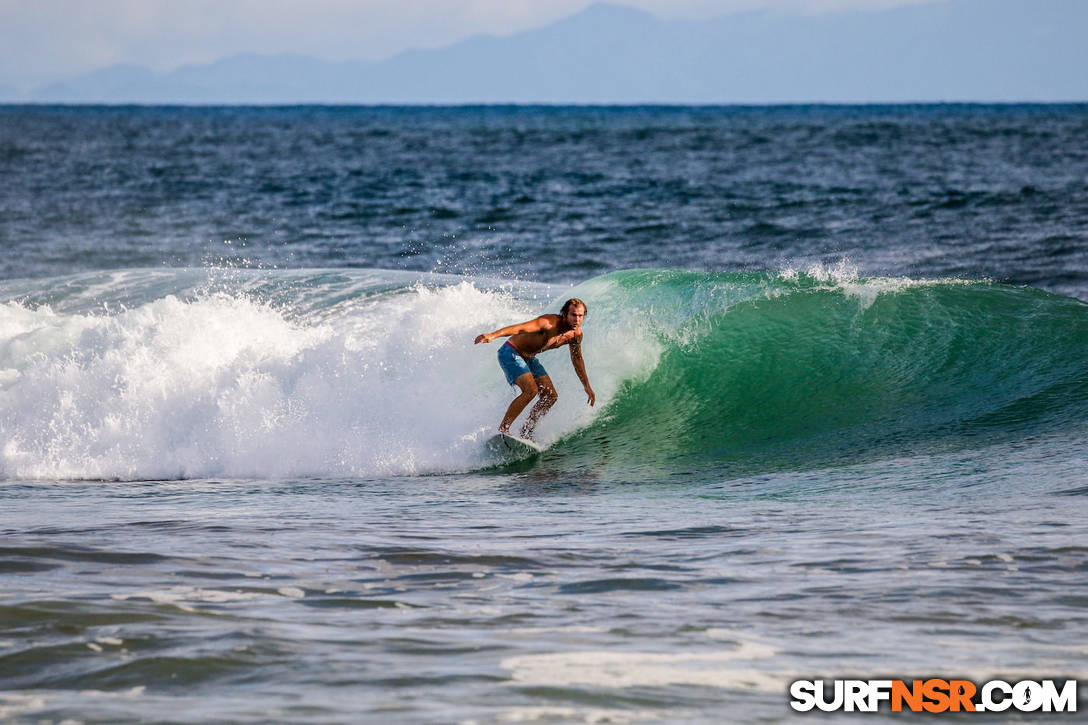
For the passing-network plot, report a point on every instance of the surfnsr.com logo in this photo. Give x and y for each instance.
(933, 695)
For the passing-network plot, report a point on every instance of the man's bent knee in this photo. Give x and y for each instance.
(529, 388)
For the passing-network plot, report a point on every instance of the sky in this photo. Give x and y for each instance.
(42, 41)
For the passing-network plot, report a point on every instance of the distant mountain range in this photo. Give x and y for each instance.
(960, 50)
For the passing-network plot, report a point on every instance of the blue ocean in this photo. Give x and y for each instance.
(840, 357)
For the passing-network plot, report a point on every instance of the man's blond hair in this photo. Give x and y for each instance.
(573, 301)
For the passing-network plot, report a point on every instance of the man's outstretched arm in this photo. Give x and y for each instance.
(580, 369)
(531, 326)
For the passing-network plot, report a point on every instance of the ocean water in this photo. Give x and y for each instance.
(841, 364)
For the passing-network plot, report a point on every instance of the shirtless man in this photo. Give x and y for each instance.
(517, 358)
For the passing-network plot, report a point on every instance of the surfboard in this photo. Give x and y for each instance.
(512, 448)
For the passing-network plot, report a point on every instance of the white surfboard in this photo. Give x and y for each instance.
(512, 448)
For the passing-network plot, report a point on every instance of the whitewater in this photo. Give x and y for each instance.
(157, 375)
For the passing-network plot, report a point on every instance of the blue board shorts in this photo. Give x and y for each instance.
(514, 365)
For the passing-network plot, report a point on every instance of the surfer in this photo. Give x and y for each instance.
(517, 358)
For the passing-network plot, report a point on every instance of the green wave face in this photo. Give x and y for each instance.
(770, 372)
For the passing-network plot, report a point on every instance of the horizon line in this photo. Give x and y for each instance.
(537, 104)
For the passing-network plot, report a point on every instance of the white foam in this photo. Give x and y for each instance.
(846, 278)
(14, 703)
(136, 691)
(521, 577)
(615, 669)
(183, 597)
(224, 386)
(291, 592)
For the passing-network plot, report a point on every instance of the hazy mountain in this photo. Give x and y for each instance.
(1001, 50)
